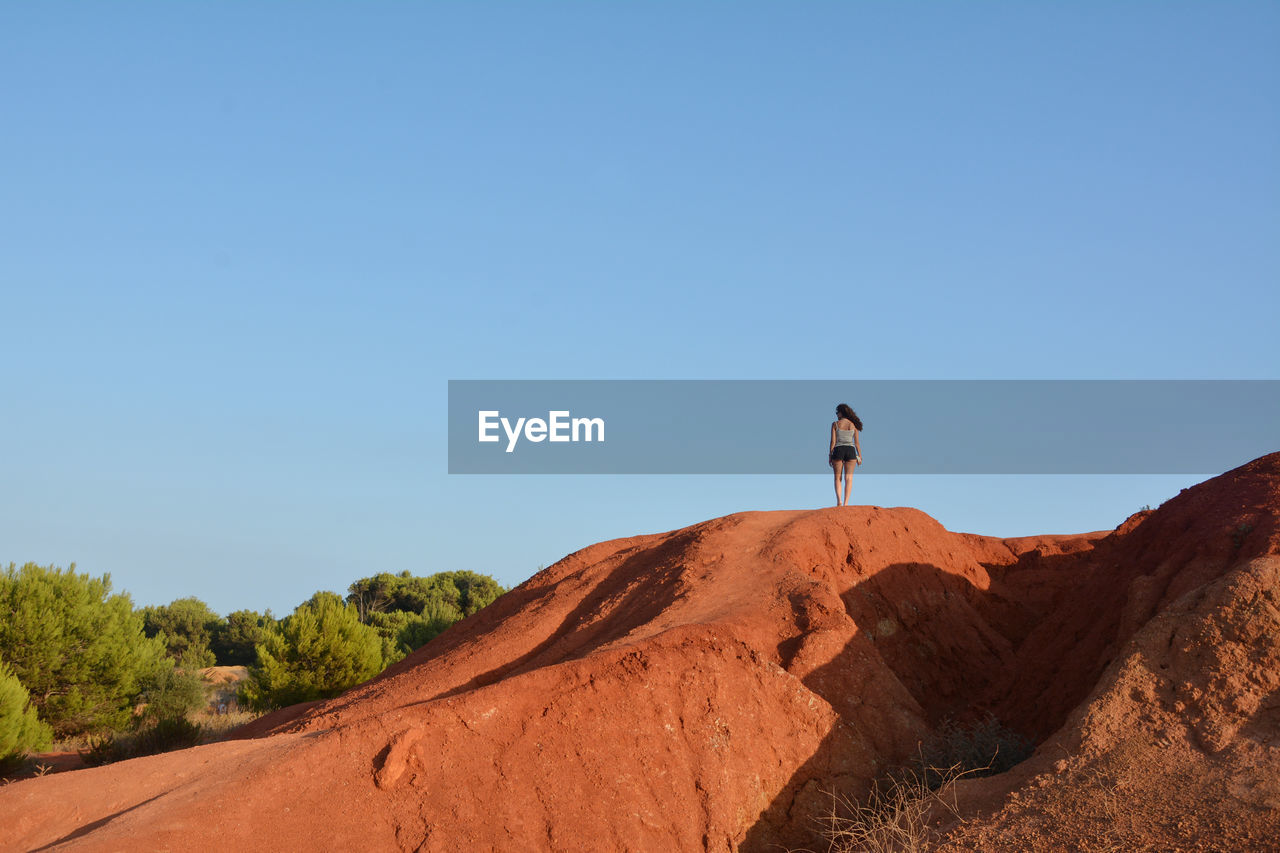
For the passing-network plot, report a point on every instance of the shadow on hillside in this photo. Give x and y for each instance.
(95, 825)
(953, 647)
(633, 594)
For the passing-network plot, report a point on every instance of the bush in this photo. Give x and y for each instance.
(79, 650)
(220, 726)
(99, 749)
(408, 611)
(1240, 533)
(982, 748)
(443, 592)
(186, 627)
(171, 693)
(475, 590)
(893, 818)
(21, 731)
(389, 627)
(164, 735)
(424, 628)
(235, 641)
(150, 738)
(895, 814)
(317, 652)
(403, 632)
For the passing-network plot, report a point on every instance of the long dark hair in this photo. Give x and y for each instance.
(843, 411)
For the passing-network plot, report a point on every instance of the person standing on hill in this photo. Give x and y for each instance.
(845, 453)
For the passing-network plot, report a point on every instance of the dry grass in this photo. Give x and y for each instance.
(1116, 832)
(216, 727)
(896, 815)
(74, 743)
(96, 749)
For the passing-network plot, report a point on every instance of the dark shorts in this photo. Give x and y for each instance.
(845, 453)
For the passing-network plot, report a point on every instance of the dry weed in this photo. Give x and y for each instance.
(896, 815)
(218, 727)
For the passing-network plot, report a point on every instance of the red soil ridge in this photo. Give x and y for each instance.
(702, 689)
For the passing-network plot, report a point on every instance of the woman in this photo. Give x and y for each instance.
(845, 453)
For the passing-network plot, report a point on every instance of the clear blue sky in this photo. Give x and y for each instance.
(243, 246)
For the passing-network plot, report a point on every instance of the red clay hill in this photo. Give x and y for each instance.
(703, 689)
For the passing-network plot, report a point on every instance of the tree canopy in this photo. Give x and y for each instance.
(186, 627)
(441, 593)
(408, 611)
(317, 652)
(79, 650)
(21, 731)
(235, 641)
(85, 660)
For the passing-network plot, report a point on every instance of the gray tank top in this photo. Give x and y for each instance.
(844, 437)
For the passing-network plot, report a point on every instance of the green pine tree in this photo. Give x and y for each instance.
(21, 730)
(317, 652)
(78, 650)
(187, 627)
(235, 642)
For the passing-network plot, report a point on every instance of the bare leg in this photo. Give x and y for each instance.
(848, 480)
(836, 466)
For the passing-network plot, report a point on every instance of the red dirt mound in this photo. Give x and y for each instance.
(702, 689)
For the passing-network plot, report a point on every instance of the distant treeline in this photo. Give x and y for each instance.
(79, 661)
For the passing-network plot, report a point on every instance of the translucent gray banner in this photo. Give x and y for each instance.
(910, 426)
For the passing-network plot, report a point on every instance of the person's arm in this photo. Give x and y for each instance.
(857, 445)
(832, 448)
